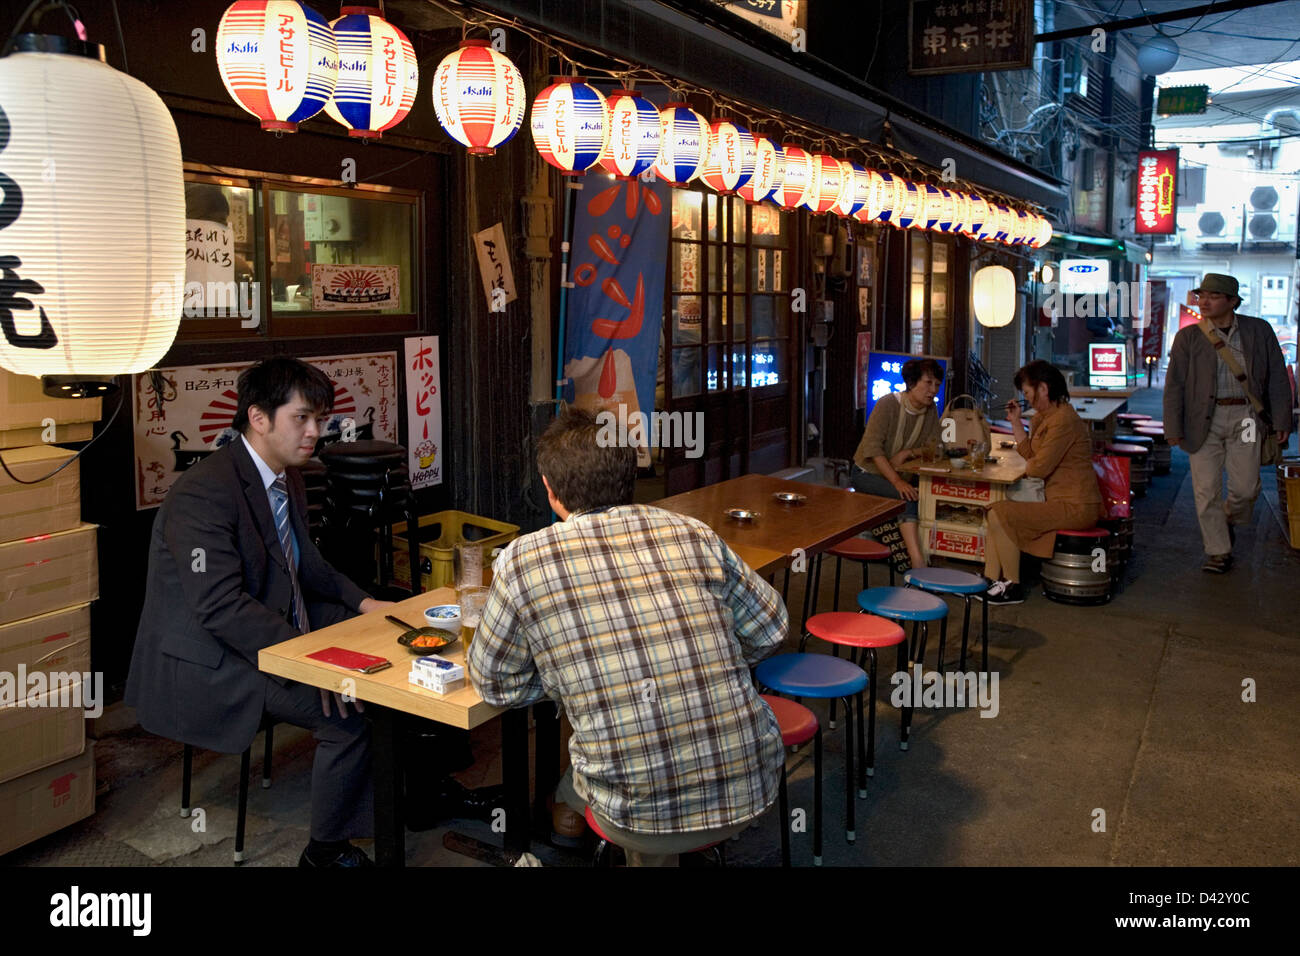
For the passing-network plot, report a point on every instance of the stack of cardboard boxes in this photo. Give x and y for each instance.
(49, 574)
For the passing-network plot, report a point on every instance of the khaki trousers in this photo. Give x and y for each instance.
(1225, 447)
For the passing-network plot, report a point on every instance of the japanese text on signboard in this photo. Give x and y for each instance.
(958, 36)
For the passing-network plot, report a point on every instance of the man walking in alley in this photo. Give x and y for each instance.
(1226, 392)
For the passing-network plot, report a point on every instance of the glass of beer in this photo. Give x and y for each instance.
(472, 600)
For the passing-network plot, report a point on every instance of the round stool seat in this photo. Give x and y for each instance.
(946, 580)
(1132, 417)
(1150, 432)
(904, 604)
(855, 630)
(1151, 423)
(1124, 448)
(1086, 533)
(798, 724)
(860, 549)
(811, 675)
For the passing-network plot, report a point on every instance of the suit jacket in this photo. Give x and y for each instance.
(194, 675)
(1192, 381)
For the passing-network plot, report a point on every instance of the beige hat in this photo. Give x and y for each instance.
(1217, 282)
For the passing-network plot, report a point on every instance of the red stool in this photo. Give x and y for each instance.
(798, 726)
(606, 842)
(1130, 419)
(865, 550)
(866, 632)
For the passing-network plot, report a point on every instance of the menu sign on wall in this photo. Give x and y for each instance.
(337, 288)
(966, 36)
(1107, 365)
(1157, 186)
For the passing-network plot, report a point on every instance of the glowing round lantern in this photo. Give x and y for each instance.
(683, 144)
(479, 97)
(978, 218)
(824, 186)
(853, 192)
(769, 171)
(1043, 233)
(632, 144)
(93, 238)
(960, 211)
(378, 74)
(993, 290)
(731, 157)
(938, 207)
(568, 123)
(870, 183)
(909, 210)
(1002, 220)
(794, 184)
(278, 59)
(888, 198)
(1024, 227)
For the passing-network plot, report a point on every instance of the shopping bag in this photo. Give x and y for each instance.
(968, 424)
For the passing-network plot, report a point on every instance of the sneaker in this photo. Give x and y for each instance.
(1217, 563)
(1008, 594)
(346, 857)
(996, 589)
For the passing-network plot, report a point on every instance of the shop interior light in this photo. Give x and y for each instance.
(632, 145)
(478, 96)
(378, 74)
(569, 121)
(683, 144)
(824, 186)
(278, 59)
(994, 292)
(769, 171)
(77, 306)
(1048, 272)
(798, 165)
(731, 157)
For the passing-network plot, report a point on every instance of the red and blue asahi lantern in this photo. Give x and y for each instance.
(569, 123)
(1001, 216)
(683, 144)
(938, 208)
(632, 145)
(824, 186)
(1042, 232)
(731, 157)
(278, 59)
(869, 211)
(886, 198)
(960, 211)
(769, 171)
(797, 173)
(478, 95)
(978, 216)
(909, 209)
(378, 73)
(854, 191)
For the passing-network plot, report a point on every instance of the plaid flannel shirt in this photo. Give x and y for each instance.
(643, 624)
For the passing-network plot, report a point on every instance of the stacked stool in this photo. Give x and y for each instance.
(965, 585)
(368, 491)
(907, 604)
(798, 726)
(1161, 457)
(1125, 421)
(1069, 577)
(1139, 464)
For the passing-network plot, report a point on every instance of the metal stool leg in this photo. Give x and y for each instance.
(984, 632)
(187, 768)
(835, 649)
(839, 563)
(850, 833)
(965, 630)
(943, 639)
(925, 636)
(785, 819)
(785, 587)
(266, 756)
(906, 726)
(817, 798)
(862, 751)
(871, 717)
(245, 763)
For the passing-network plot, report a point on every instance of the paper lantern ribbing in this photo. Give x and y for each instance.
(938, 205)
(1021, 227)
(993, 290)
(909, 210)
(731, 157)
(378, 74)
(853, 191)
(569, 121)
(960, 211)
(888, 199)
(794, 184)
(1044, 233)
(683, 144)
(91, 308)
(871, 184)
(979, 216)
(278, 59)
(769, 171)
(824, 186)
(478, 95)
(632, 143)
(1002, 218)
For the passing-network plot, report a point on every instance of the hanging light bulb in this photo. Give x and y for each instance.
(854, 191)
(1157, 55)
(93, 238)
(993, 290)
(683, 144)
(378, 73)
(569, 122)
(797, 174)
(731, 157)
(769, 171)
(824, 186)
(478, 96)
(278, 59)
(632, 145)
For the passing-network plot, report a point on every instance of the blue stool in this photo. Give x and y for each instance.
(822, 677)
(918, 607)
(949, 581)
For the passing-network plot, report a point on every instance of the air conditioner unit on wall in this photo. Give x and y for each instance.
(1270, 211)
(1219, 227)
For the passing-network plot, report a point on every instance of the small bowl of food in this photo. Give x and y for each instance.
(445, 617)
(959, 464)
(790, 497)
(741, 514)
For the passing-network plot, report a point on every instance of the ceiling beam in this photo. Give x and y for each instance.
(1116, 26)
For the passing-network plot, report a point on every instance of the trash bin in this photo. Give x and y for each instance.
(439, 534)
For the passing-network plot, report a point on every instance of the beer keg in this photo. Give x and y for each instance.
(1070, 577)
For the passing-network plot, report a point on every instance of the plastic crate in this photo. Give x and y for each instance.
(1288, 486)
(439, 534)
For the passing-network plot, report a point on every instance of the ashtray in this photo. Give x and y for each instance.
(741, 514)
(790, 497)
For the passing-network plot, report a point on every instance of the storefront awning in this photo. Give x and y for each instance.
(1065, 244)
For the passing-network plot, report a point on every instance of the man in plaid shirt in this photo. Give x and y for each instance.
(643, 625)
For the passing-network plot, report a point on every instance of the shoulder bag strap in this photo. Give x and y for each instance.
(1220, 345)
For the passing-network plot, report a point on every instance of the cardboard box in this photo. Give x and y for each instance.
(24, 405)
(57, 641)
(37, 804)
(53, 505)
(46, 729)
(22, 437)
(48, 572)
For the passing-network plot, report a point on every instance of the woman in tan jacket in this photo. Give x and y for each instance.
(1059, 450)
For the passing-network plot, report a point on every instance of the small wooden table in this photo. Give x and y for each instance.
(1099, 413)
(946, 494)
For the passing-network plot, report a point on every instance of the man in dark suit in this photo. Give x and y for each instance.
(232, 569)
(1209, 412)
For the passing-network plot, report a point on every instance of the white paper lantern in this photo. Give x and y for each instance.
(731, 157)
(378, 74)
(278, 59)
(960, 211)
(478, 96)
(683, 144)
(979, 217)
(632, 145)
(854, 191)
(910, 209)
(869, 211)
(570, 122)
(769, 171)
(798, 171)
(824, 185)
(994, 291)
(92, 221)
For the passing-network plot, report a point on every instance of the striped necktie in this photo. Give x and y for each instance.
(280, 505)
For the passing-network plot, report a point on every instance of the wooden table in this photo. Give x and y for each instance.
(389, 693)
(945, 491)
(1099, 413)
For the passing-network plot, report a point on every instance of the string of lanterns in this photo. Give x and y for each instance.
(283, 63)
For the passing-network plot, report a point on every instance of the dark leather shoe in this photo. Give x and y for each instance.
(346, 858)
(457, 800)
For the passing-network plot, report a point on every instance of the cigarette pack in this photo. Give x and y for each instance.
(437, 674)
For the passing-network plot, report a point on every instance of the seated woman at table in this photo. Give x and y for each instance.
(901, 424)
(1057, 449)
